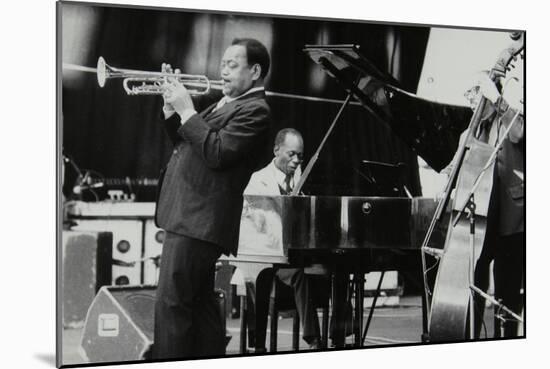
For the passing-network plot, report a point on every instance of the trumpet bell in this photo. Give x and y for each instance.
(101, 71)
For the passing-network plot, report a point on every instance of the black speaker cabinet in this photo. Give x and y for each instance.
(85, 267)
(120, 324)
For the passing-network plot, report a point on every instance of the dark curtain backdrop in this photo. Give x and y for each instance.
(119, 136)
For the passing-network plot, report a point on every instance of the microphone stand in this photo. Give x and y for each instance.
(472, 216)
(500, 306)
(80, 177)
(67, 159)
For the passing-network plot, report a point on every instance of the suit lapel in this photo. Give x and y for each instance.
(221, 111)
(272, 181)
(208, 110)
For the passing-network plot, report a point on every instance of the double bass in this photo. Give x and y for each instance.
(471, 179)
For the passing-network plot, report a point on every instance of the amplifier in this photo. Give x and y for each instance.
(127, 246)
(85, 267)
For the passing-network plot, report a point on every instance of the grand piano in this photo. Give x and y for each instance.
(352, 234)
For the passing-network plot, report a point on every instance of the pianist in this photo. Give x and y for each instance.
(279, 178)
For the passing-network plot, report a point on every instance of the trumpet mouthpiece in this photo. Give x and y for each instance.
(101, 71)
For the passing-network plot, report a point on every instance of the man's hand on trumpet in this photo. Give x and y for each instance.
(168, 109)
(176, 97)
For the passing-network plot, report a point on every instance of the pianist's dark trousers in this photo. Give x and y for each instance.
(305, 298)
(187, 320)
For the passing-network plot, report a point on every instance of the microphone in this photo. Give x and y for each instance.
(77, 190)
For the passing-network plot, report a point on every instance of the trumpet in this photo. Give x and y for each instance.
(137, 82)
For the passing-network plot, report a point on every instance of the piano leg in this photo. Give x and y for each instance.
(244, 325)
(339, 299)
(324, 324)
(250, 317)
(359, 284)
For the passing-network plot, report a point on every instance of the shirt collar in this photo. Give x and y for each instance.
(252, 90)
(280, 175)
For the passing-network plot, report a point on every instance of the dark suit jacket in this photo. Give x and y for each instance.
(215, 153)
(510, 171)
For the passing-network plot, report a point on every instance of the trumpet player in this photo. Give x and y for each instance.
(200, 197)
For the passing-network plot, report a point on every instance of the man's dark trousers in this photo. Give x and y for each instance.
(187, 320)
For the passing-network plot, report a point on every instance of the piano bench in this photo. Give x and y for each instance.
(271, 297)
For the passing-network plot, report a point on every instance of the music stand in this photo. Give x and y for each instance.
(386, 179)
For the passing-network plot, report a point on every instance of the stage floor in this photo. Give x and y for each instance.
(401, 324)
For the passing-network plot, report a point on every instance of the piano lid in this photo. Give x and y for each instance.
(431, 129)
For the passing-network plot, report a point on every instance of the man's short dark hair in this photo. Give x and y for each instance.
(281, 135)
(256, 53)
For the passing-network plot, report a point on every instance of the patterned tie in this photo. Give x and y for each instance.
(288, 189)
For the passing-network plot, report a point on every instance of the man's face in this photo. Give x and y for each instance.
(473, 96)
(237, 75)
(289, 154)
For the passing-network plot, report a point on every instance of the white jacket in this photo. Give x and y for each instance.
(264, 182)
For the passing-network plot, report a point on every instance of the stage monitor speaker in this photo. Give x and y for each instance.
(85, 267)
(120, 324)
